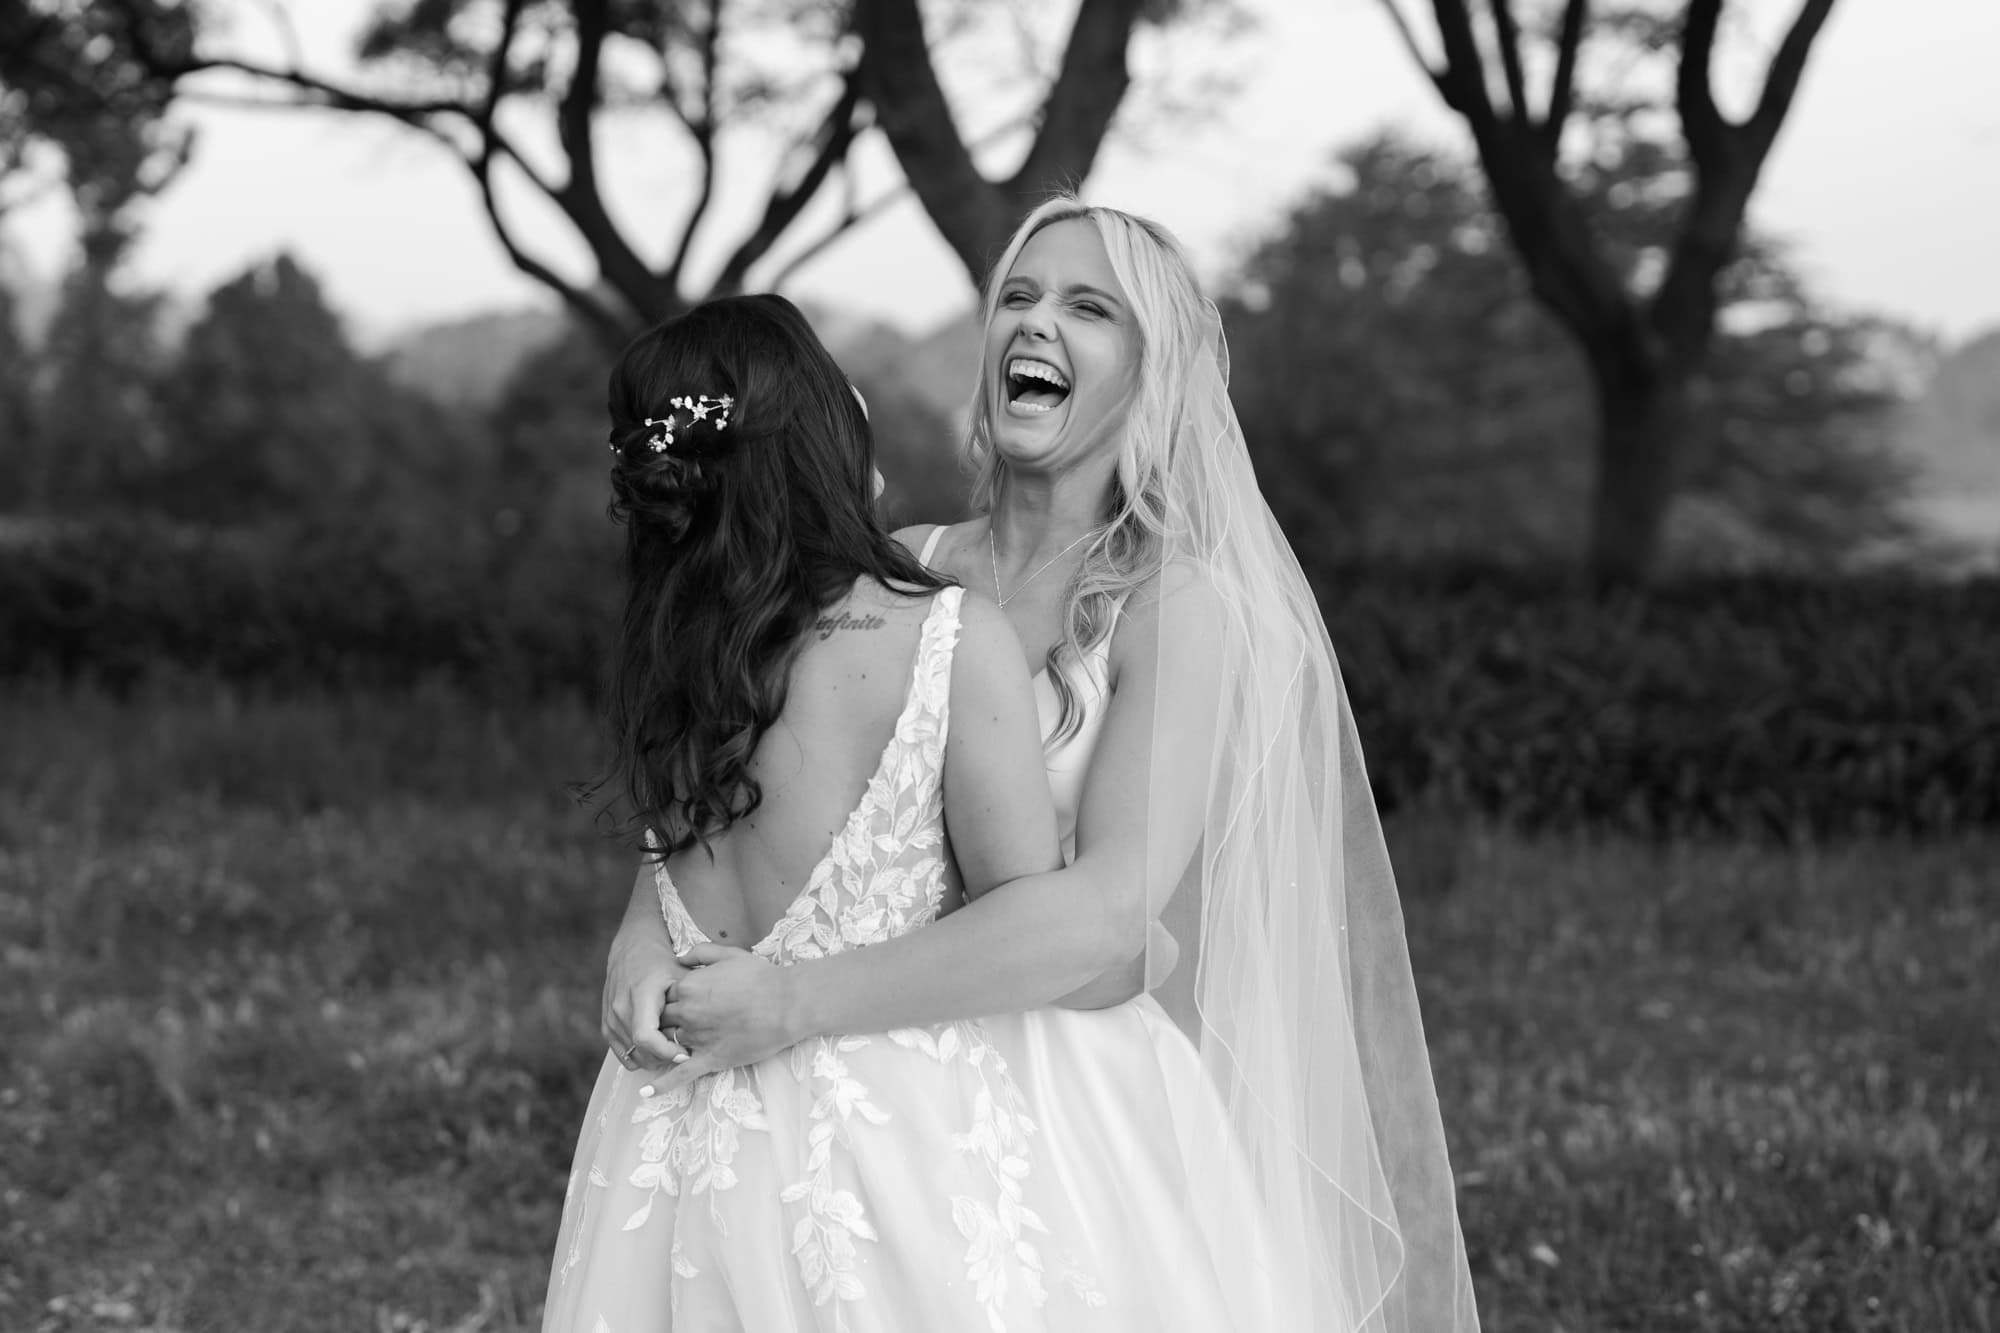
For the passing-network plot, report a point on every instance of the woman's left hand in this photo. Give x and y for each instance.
(733, 1009)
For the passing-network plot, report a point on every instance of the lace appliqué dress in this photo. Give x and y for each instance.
(872, 1183)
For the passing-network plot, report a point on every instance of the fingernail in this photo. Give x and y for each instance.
(679, 1056)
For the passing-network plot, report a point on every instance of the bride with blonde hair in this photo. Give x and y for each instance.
(1257, 1144)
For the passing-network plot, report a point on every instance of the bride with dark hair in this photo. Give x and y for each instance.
(914, 1107)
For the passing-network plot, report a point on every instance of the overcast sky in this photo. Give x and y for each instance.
(1886, 177)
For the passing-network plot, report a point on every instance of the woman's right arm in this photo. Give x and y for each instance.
(1130, 977)
(1046, 931)
(1040, 945)
(1001, 952)
(640, 967)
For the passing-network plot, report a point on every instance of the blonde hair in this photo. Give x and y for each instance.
(1174, 323)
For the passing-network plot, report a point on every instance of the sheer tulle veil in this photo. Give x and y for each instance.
(1294, 979)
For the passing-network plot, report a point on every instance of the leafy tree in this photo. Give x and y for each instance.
(1393, 383)
(1643, 320)
(97, 426)
(481, 76)
(273, 415)
(546, 494)
(79, 109)
(1405, 395)
(78, 105)
(18, 454)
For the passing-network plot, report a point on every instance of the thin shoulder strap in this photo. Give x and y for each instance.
(930, 544)
(930, 688)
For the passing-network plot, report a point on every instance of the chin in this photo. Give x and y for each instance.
(1020, 441)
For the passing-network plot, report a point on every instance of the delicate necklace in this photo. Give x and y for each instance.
(993, 555)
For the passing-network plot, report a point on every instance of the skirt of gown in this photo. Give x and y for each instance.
(1022, 1174)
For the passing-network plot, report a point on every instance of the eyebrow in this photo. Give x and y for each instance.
(1074, 289)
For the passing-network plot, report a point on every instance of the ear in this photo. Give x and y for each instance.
(855, 389)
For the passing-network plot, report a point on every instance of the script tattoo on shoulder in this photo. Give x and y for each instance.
(826, 625)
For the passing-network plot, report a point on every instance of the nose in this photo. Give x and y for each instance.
(1039, 319)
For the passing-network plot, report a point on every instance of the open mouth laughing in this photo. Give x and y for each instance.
(1033, 385)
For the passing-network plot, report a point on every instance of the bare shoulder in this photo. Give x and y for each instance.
(914, 536)
(952, 539)
(871, 605)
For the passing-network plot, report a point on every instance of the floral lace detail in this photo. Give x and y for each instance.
(691, 1136)
(998, 1139)
(823, 1240)
(883, 876)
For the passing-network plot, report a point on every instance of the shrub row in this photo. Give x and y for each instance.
(1759, 705)
(117, 603)
(1763, 705)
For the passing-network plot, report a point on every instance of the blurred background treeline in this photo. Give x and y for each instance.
(1547, 459)
(1664, 587)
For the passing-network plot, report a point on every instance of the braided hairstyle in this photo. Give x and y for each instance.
(744, 480)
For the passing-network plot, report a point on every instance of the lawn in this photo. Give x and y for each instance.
(299, 1011)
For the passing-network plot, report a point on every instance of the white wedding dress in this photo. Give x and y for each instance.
(1019, 1174)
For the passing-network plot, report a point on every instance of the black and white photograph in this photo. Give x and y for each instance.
(999, 666)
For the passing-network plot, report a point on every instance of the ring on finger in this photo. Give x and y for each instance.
(627, 1057)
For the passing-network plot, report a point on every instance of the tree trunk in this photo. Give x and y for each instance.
(975, 215)
(1639, 423)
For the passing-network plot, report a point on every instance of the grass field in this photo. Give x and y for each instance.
(299, 1008)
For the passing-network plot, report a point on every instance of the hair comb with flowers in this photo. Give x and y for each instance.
(715, 411)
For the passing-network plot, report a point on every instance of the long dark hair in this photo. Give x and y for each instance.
(743, 524)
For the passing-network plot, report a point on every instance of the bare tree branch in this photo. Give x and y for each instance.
(899, 80)
(1562, 87)
(491, 143)
(330, 96)
(851, 217)
(1728, 160)
(702, 129)
(1787, 66)
(1088, 88)
(974, 214)
(496, 67)
(1694, 93)
(1463, 78)
(855, 213)
(829, 148)
(1508, 34)
(1409, 36)
(574, 119)
(602, 321)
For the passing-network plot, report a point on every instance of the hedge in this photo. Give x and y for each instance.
(1765, 706)
(1774, 706)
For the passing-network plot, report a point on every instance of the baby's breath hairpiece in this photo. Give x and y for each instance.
(698, 408)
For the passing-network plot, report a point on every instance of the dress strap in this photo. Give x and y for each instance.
(930, 544)
(930, 686)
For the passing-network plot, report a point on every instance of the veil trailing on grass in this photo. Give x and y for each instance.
(1294, 980)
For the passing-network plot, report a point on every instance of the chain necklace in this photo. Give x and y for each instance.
(993, 555)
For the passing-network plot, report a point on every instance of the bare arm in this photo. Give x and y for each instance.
(1151, 960)
(638, 970)
(1038, 935)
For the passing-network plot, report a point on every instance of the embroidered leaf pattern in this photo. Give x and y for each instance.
(882, 877)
